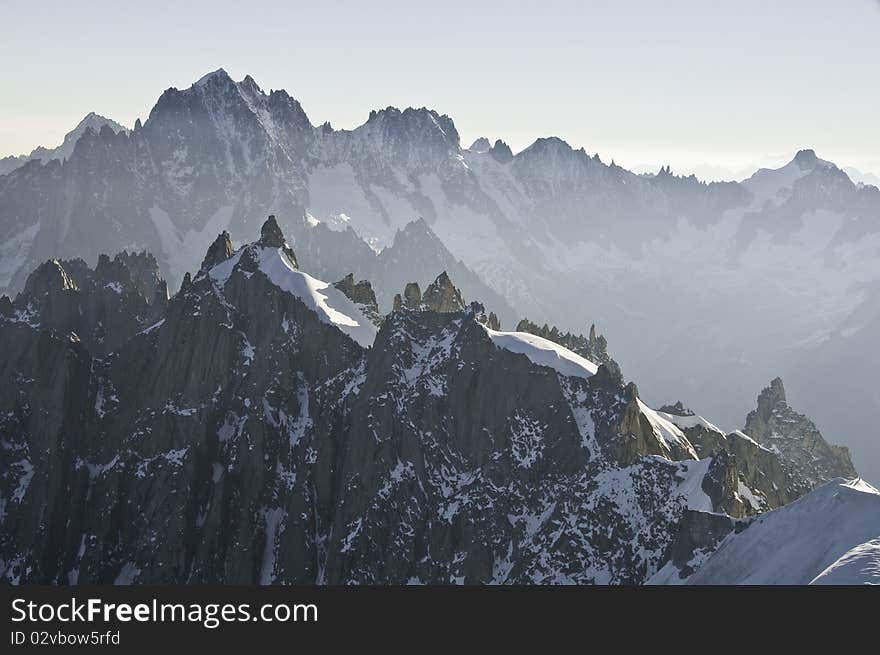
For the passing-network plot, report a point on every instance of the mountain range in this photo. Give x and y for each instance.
(92, 122)
(261, 426)
(704, 290)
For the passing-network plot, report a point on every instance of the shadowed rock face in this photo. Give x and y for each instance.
(103, 307)
(234, 436)
(218, 252)
(362, 294)
(218, 154)
(272, 237)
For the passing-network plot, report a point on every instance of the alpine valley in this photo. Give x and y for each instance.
(397, 381)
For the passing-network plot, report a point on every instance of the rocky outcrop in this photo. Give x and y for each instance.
(806, 457)
(244, 439)
(103, 307)
(145, 276)
(219, 251)
(411, 299)
(722, 485)
(49, 279)
(248, 437)
(272, 237)
(639, 433)
(779, 457)
(442, 296)
(501, 152)
(362, 294)
(482, 144)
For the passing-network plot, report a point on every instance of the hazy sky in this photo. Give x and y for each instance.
(687, 82)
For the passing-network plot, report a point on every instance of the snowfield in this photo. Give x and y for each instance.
(543, 352)
(667, 431)
(329, 303)
(688, 422)
(829, 536)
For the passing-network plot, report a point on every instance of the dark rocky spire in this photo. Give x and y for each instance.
(806, 159)
(770, 397)
(361, 293)
(218, 252)
(271, 236)
(501, 151)
(442, 296)
(481, 145)
(49, 276)
(412, 296)
(493, 323)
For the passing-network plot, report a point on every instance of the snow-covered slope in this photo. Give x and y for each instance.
(543, 352)
(829, 536)
(667, 431)
(860, 565)
(692, 421)
(331, 305)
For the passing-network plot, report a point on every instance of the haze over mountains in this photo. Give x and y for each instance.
(705, 291)
(262, 426)
(92, 121)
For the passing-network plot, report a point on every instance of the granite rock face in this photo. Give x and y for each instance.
(806, 457)
(441, 296)
(361, 293)
(103, 307)
(245, 432)
(219, 251)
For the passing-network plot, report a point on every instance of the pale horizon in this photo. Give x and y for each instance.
(645, 86)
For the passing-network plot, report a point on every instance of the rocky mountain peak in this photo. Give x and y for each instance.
(490, 320)
(770, 397)
(422, 128)
(49, 277)
(112, 270)
(335, 437)
(412, 297)
(271, 236)
(362, 294)
(501, 152)
(677, 409)
(550, 145)
(806, 457)
(442, 296)
(806, 159)
(219, 251)
(250, 85)
(103, 307)
(145, 276)
(219, 76)
(481, 145)
(96, 122)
